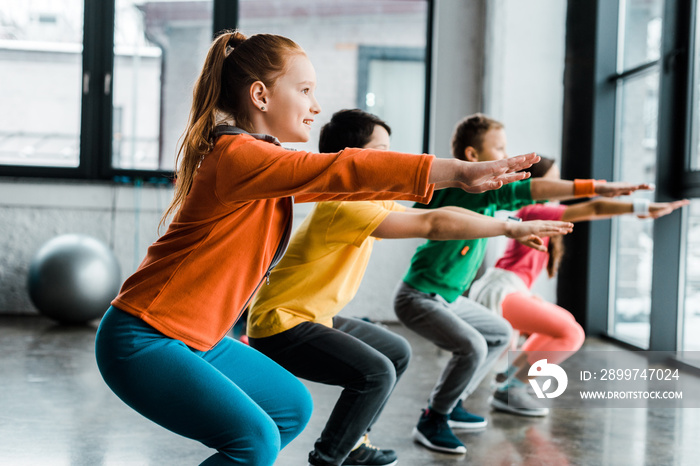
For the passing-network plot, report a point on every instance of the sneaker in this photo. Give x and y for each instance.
(460, 418)
(516, 400)
(434, 432)
(369, 455)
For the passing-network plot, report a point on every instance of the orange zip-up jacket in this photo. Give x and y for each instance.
(196, 279)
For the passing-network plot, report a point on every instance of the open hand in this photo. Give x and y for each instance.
(532, 241)
(538, 228)
(620, 188)
(659, 209)
(478, 177)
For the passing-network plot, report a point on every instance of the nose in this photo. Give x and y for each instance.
(315, 107)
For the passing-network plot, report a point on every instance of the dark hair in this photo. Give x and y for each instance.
(539, 169)
(234, 62)
(349, 128)
(556, 243)
(470, 132)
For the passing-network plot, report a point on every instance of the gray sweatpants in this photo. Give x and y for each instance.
(474, 335)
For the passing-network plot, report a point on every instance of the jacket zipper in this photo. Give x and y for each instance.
(284, 242)
(279, 253)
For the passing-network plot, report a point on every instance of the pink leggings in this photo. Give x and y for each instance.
(550, 327)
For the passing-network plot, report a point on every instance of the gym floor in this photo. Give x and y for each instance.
(55, 410)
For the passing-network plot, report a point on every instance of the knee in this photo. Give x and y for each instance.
(385, 373)
(476, 349)
(304, 410)
(503, 333)
(378, 377)
(260, 444)
(266, 446)
(403, 356)
(300, 408)
(575, 336)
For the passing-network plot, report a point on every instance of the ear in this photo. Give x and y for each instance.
(259, 94)
(470, 154)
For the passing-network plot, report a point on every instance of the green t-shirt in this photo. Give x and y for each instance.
(448, 267)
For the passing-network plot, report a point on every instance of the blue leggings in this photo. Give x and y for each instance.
(231, 398)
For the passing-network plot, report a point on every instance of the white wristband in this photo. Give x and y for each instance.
(640, 206)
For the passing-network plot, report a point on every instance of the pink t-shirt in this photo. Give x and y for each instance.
(526, 262)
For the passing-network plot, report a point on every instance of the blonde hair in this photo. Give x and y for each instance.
(234, 62)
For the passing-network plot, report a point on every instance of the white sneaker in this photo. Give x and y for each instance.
(516, 400)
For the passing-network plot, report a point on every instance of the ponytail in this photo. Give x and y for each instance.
(234, 62)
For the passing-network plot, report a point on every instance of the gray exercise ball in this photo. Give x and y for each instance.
(73, 278)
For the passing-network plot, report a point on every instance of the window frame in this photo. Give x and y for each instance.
(95, 157)
(686, 54)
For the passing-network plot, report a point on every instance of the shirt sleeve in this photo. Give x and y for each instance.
(542, 212)
(354, 222)
(365, 196)
(250, 169)
(511, 196)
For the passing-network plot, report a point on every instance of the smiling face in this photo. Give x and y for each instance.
(291, 104)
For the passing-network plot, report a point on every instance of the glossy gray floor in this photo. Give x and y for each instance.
(55, 410)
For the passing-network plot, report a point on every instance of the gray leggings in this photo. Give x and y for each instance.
(474, 335)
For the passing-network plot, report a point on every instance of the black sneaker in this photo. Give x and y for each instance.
(460, 418)
(434, 433)
(369, 455)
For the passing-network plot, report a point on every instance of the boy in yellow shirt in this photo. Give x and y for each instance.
(294, 320)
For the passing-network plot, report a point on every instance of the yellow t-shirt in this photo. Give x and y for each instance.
(322, 268)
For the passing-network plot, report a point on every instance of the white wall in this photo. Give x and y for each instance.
(34, 211)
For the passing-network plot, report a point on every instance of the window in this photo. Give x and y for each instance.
(691, 315)
(103, 89)
(632, 91)
(100, 89)
(694, 162)
(136, 100)
(339, 38)
(635, 160)
(159, 48)
(386, 76)
(41, 58)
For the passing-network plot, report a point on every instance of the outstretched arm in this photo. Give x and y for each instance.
(598, 209)
(550, 189)
(477, 177)
(452, 223)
